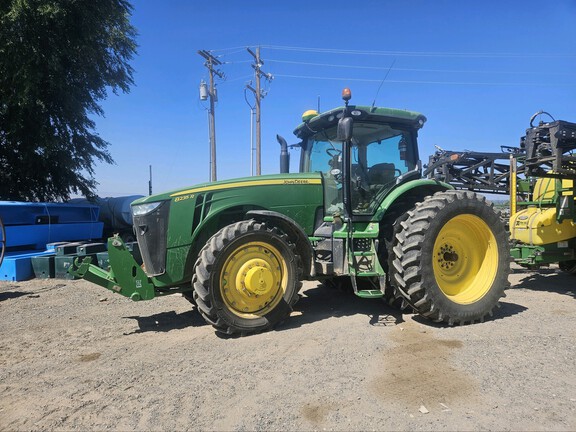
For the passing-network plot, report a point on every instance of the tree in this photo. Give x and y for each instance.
(58, 59)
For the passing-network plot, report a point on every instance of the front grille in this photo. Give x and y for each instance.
(150, 230)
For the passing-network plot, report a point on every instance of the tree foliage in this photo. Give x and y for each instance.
(58, 59)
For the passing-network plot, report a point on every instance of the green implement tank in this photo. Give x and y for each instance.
(358, 210)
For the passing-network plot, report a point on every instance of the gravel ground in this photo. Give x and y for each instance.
(74, 356)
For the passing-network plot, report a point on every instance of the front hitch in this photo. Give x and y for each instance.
(125, 277)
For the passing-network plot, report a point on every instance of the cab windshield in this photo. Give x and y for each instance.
(379, 155)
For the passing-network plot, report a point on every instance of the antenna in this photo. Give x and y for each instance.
(386, 76)
(150, 182)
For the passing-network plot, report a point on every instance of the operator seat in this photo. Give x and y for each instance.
(381, 174)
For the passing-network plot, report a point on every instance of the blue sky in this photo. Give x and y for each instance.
(477, 70)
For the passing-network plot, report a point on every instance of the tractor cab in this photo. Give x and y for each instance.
(379, 153)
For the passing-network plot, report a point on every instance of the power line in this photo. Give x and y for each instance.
(537, 72)
(428, 82)
(419, 70)
(233, 49)
(242, 78)
(532, 72)
(418, 53)
(237, 62)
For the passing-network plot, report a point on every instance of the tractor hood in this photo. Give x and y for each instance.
(168, 225)
(256, 181)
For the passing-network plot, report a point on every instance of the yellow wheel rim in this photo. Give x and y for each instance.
(253, 279)
(465, 259)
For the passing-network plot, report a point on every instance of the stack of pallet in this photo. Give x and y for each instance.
(46, 230)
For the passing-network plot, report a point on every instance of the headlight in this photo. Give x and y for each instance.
(142, 209)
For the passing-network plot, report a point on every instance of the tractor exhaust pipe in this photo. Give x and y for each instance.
(284, 155)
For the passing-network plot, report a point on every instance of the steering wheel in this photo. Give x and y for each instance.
(537, 114)
(332, 152)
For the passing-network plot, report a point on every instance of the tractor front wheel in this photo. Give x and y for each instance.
(246, 279)
(450, 258)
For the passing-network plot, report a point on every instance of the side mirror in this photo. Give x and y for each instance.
(344, 131)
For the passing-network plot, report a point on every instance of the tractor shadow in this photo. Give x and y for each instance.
(167, 321)
(503, 310)
(550, 279)
(15, 291)
(321, 302)
(11, 291)
(7, 295)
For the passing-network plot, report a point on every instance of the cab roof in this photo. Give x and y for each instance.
(362, 113)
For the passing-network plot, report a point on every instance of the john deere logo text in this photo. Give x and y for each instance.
(296, 181)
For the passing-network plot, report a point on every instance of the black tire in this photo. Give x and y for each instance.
(389, 228)
(450, 258)
(392, 296)
(246, 279)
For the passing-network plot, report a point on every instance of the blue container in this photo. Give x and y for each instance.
(34, 225)
(17, 266)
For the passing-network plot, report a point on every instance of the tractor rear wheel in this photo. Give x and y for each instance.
(246, 279)
(450, 258)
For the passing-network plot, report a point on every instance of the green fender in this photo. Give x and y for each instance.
(420, 187)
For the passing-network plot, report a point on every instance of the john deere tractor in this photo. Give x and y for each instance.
(358, 209)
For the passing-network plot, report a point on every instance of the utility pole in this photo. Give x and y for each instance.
(251, 141)
(211, 61)
(253, 110)
(249, 87)
(258, 73)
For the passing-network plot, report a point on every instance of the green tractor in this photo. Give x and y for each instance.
(358, 210)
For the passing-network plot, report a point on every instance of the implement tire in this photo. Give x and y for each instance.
(246, 278)
(450, 258)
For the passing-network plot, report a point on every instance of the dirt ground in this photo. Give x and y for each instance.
(74, 356)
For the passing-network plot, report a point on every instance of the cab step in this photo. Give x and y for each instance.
(368, 274)
(364, 254)
(370, 294)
